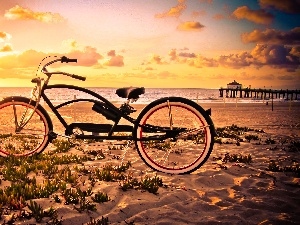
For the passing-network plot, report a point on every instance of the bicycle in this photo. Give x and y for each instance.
(172, 134)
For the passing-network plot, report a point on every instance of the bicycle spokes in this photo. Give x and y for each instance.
(174, 136)
(170, 116)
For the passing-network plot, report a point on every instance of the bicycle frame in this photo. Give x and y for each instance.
(114, 128)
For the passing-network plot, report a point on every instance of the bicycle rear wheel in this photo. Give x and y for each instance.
(183, 131)
(24, 128)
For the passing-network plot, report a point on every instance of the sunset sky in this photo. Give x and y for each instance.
(153, 43)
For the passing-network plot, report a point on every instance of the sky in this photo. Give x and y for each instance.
(153, 43)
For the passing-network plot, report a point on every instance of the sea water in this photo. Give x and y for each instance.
(200, 95)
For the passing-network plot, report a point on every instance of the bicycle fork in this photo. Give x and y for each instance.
(24, 118)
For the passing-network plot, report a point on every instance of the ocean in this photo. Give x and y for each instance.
(200, 95)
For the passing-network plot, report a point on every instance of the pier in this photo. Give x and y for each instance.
(259, 93)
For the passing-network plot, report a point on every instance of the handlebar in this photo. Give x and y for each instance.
(78, 77)
(67, 60)
(63, 59)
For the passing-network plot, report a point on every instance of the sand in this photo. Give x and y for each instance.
(217, 193)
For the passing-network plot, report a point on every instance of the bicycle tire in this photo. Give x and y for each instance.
(33, 138)
(183, 154)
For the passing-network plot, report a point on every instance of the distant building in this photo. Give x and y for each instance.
(234, 85)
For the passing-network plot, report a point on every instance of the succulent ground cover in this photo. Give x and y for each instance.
(65, 178)
(236, 135)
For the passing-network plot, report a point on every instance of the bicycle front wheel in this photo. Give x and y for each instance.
(24, 128)
(174, 135)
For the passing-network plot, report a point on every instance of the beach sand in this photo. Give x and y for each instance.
(218, 192)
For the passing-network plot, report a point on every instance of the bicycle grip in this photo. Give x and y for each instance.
(78, 77)
(72, 60)
(67, 60)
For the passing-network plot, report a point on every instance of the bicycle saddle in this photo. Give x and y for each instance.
(130, 92)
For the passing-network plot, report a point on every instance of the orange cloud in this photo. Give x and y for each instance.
(219, 16)
(31, 58)
(86, 57)
(276, 56)
(272, 36)
(236, 60)
(256, 16)
(157, 59)
(111, 53)
(295, 51)
(173, 54)
(20, 13)
(190, 26)
(4, 36)
(115, 60)
(289, 6)
(200, 62)
(175, 11)
(182, 57)
(196, 14)
(6, 48)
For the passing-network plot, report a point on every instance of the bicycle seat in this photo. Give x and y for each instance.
(130, 92)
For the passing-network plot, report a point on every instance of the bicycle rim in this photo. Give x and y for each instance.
(31, 138)
(182, 154)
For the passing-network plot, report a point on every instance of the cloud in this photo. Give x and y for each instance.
(272, 36)
(236, 60)
(219, 16)
(190, 26)
(277, 56)
(19, 13)
(31, 58)
(295, 51)
(201, 62)
(196, 14)
(257, 16)
(173, 54)
(185, 49)
(157, 59)
(115, 60)
(176, 57)
(285, 77)
(21, 65)
(187, 55)
(289, 6)
(175, 11)
(4, 36)
(111, 53)
(6, 48)
(86, 57)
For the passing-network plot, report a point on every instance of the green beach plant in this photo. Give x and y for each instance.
(100, 197)
(102, 221)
